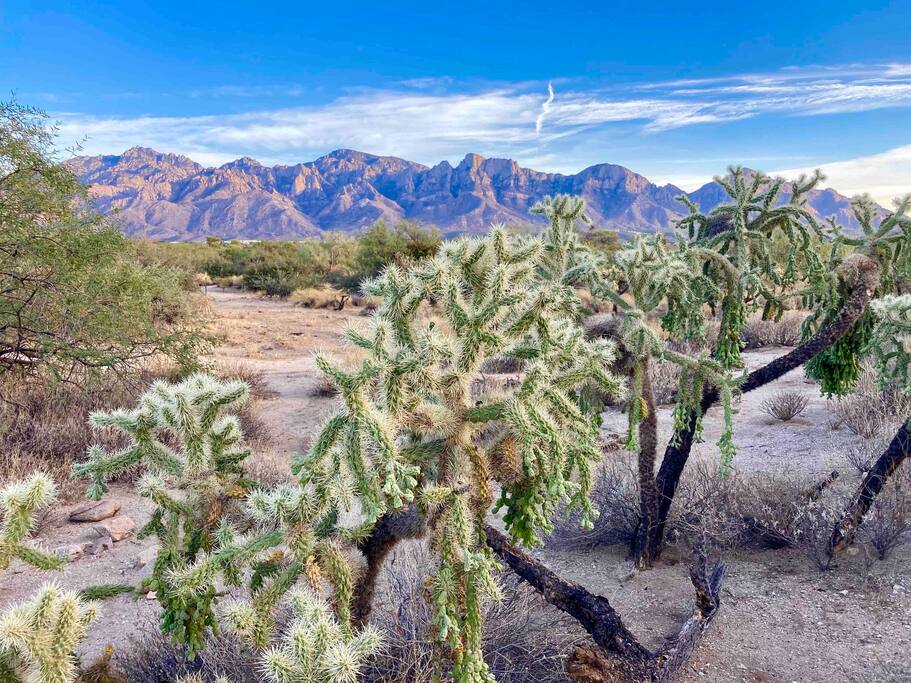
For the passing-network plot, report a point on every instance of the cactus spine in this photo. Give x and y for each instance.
(37, 638)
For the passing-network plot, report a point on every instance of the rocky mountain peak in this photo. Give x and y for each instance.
(170, 197)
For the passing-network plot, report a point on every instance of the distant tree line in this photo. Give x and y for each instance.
(339, 260)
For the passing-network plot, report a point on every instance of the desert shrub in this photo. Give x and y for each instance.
(43, 427)
(503, 365)
(759, 333)
(404, 243)
(665, 378)
(152, 657)
(789, 509)
(785, 405)
(272, 282)
(320, 297)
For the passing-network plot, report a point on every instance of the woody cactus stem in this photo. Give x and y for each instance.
(616, 654)
(645, 543)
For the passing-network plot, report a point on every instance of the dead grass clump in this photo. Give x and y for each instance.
(665, 378)
(152, 657)
(525, 641)
(616, 496)
(785, 405)
(366, 301)
(502, 365)
(44, 427)
(870, 409)
(759, 333)
(230, 282)
(320, 297)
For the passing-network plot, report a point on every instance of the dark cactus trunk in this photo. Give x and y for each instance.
(846, 528)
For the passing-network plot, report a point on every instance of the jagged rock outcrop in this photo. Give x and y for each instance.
(171, 197)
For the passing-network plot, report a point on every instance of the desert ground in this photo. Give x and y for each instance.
(782, 620)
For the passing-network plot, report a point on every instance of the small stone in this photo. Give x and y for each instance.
(95, 512)
(147, 556)
(101, 543)
(151, 595)
(74, 551)
(118, 528)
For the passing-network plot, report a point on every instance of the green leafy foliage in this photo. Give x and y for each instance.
(74, 295)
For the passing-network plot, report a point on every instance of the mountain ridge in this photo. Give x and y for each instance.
(171, 197)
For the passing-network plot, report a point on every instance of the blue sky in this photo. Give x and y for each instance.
(676, 91)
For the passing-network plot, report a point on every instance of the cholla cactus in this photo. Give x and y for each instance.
(19, 502)
(197, 678)
(192, 486)
(314, 549)
(410, 433)
(890, 342)
(316, 647)
(38, 638)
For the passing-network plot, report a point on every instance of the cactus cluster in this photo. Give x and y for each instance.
(410, 432)
(316, 647)
(19, 502)
(191, 454)
(38, 637)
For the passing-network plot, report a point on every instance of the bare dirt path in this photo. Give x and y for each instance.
(781, 620)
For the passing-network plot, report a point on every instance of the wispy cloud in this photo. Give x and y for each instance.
(885, 176)
(545, 108)
(432, 119)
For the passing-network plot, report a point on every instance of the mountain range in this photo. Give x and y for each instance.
(171, 197)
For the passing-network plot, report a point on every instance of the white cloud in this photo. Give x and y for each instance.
(427, 120)
(884, 176)
(545, 108)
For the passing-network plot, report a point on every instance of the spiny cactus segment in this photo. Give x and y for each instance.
(38, 638)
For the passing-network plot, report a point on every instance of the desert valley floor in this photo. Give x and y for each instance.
(781, 619)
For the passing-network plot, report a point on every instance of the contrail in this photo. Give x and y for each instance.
(544, 109)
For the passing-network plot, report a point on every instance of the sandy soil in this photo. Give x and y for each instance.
(781, 620)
